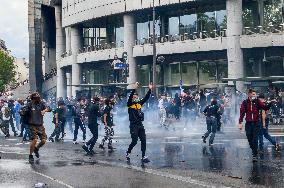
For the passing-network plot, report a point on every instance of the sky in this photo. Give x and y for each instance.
(14, 26)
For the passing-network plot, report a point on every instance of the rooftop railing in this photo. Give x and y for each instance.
(183, 37)
(264, 29)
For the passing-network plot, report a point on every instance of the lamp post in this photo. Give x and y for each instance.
(154, 51)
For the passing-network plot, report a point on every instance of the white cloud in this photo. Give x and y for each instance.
(14, 26)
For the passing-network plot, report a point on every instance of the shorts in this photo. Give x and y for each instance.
(38, 130)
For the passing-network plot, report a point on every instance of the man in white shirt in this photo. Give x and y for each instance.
(5, 116)
(116, 68)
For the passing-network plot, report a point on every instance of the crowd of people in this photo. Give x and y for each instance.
(25, 117)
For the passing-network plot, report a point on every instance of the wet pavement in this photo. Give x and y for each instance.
(178, 159)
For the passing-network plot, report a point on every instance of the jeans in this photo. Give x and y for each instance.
(17, 119)
(11, 122)
(211, 128)
(56, 132)
(252, 132)
(94, 130)
(116, 75)
(25, 127)
(264, 133)
(137, 131)
(79, 124)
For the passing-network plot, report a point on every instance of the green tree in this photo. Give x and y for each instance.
(7, 70)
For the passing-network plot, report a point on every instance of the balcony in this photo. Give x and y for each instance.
(175, 44)
(272, 35)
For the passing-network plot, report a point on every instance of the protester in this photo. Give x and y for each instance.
(136, 117)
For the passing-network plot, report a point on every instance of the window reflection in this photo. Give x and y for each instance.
(188, 24)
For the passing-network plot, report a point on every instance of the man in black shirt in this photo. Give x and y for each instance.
(108, 122)
(36, 110)
(59, 121)
(136, 117)
(93, 114)
(211, 112)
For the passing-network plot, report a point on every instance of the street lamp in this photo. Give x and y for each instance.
(154, 50)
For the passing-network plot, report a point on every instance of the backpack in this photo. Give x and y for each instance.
(7, 112)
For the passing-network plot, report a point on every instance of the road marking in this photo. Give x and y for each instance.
(53, 179)
(159, 173)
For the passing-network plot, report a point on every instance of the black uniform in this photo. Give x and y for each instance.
(93, 114)
(211, 112)
(136, 117)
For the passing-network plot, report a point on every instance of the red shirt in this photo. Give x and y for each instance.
(250, 109)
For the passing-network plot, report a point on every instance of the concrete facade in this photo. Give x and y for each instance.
(88, 33)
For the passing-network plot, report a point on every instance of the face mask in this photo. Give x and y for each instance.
(253, 98)
(136, 100)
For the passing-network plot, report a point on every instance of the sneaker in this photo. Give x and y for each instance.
(51, 139)
(31, 159)
(75, 142)
(101, 146)
(127, 156)
(15, 134)
(86, 148)
(7, 136)
(84, 141)
(211, 144)
(36, 151)
(254, 159)
(203, 139)
(145, 160)
(277, 147)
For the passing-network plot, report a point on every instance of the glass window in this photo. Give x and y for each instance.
(157, 27)
(221, 19)
(222, 70)
(189, 73)
(273, 12)
(250, 14)
(175, 68)
(174, 25)
(207, 72)
(207, 21)
(142, 31)
(119, 36)
(188, 24)
(143, 73)
(274, 66)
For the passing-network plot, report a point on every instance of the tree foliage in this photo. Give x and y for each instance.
(7, 70)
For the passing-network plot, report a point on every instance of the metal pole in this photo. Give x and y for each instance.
(154, 50)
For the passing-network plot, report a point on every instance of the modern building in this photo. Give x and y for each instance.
(201, 41)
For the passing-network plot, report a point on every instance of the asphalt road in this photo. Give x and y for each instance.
(178, 159)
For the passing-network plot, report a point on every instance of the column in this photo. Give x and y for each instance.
(68, 40)
(234, 51)
(129, 42)
(69, 83)
(261, 12)
(76, 44)
(60, 48)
